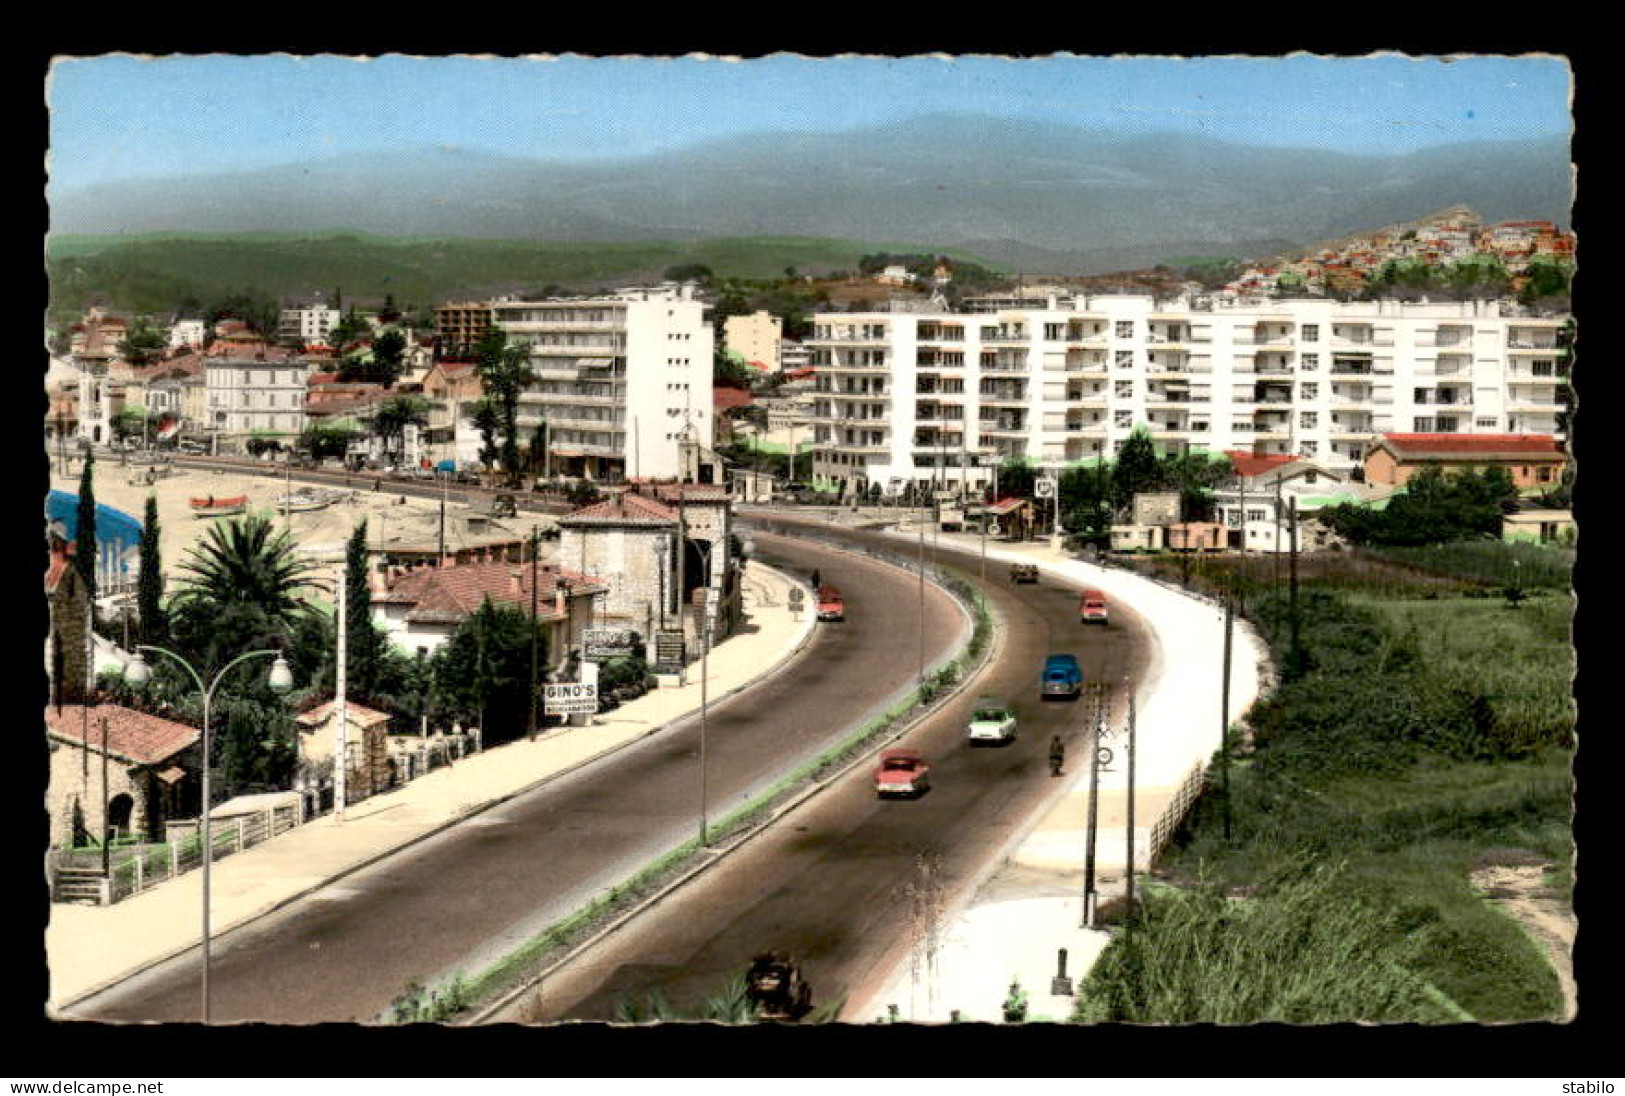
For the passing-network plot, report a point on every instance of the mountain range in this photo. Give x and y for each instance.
(1030, 195)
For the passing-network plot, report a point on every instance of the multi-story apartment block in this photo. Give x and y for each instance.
(307, 324)
(911, 397)
(459, 326)
(259, 395)
(621, 379)
(755, 338)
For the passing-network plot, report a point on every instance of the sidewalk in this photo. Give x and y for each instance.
(1030, 905)
(90, 947)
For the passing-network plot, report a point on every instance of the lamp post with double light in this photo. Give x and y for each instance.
(137, 673)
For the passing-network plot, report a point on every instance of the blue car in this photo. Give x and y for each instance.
(1062, 678)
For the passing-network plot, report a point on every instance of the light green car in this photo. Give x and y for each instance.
(992, 720)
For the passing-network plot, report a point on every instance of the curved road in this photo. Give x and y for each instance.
(830, 881)
(461, 899)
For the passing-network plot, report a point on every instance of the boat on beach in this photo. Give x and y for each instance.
(214, 506)
(302, 501)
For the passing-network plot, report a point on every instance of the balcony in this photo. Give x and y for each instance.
(852, 367)
(1007, 365)
(1005, 395)
(1529, 346)
(847, 338)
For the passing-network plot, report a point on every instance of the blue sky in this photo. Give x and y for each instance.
(118, 117)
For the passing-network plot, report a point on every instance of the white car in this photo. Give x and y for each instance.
(992, 720)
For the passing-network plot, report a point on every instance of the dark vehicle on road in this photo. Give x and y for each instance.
(1024, 572)
(775, 986)
(1062, 678)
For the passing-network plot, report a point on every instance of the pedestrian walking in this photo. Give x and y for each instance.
(817, 579)
(1057, 755)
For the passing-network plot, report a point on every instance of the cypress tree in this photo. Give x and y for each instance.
(84, 552)
(365, 644)
(150, 592)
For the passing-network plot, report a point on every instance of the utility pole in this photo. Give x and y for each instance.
(922, 593)
(445, 487)
(107, 822)
(535, 545)
(1297, 652)
(1129, 828)
(1090, 899)
(1224, 716)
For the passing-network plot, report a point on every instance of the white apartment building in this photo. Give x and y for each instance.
(307, 324)
(618, 378)
(260, 395)
(192, 333)
(914, 396)
(755, 337)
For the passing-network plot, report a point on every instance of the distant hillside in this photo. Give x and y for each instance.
(167, 270)
(1012, 191)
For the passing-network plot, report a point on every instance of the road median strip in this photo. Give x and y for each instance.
(649, 885)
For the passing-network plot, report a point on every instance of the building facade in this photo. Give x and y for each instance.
(307, 324)
(915, 396)
(459, 326)
(755, 338)
(620, 379)
(260, 395)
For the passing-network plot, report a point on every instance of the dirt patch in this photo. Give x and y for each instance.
(1520, 890)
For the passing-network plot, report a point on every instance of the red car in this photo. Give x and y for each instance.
(902, 772)
(1092, 607)
(830, 605)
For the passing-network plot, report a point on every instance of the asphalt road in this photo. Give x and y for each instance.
(843, 882)
(464, 897)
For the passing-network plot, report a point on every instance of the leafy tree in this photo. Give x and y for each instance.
(729, 370)
(487, 419)
(328, 439)
(351, 328)
(1434, 508)
(394, 415)
(688, 272)
(388, 356)
(483, 671)
(144, 342)
(1548, 277)
(149, 596)
(1136, 468)
(130, 422)
(505, 372)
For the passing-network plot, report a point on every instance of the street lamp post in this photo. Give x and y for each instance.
(705, 681)
(137, 674)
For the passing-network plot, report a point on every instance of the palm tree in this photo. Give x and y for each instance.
(246, 564)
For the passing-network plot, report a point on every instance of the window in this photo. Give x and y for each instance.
(1308, 419)
(1125, 359)
(1485, 422)
(1123, 419)
(1423, 425)
(1311, 332)
(1054, 332)
(1125, 329)
(1256, 515)
(1309, 362)
(1308, 391)
(1125, 389)
(1310, 448)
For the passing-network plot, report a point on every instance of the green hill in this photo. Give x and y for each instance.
(163, 271)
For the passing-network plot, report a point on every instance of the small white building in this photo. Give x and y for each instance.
(188, 333)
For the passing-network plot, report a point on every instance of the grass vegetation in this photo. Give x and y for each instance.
(1429, 732)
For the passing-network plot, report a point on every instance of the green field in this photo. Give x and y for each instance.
(163, 271)
(1429, 736)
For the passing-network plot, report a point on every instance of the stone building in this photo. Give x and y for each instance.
(366, 745)
(149, 773)
(633, 539)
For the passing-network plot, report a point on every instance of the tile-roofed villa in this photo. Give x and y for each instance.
(1533, 460)
(422, 606)
(149, 760)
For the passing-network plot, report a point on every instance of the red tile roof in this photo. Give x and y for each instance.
(627, 508)
(1443, 446)
(451, 593)
(357, 714)
(1248, 465)
(726, 399)
(697, 492)
(134, 736)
